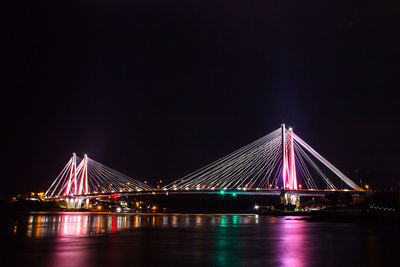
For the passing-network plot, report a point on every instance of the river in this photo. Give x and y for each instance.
(115, 239)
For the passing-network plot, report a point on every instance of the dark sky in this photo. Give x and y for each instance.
(156, 89)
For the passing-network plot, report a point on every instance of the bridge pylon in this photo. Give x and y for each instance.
(72, 177)
(289, 178)
(90, 178)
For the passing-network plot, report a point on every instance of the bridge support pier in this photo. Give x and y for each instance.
(70, 203)
(77, 203)
(290, 198)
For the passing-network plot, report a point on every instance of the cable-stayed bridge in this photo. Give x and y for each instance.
(279, 161)
(91, 177)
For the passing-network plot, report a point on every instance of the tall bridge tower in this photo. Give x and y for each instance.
(289, 178)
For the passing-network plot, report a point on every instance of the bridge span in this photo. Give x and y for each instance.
(258, 192)
(275, 164)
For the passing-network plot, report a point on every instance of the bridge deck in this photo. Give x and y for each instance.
(266, 192)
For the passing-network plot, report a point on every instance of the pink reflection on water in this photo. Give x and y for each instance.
(69, 251)
(69, 224)
(76, 224)
(292, 244)
(73, 225)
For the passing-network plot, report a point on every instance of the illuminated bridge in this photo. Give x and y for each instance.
(277, 162)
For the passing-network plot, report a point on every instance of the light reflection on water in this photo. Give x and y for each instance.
(92, 239)
(89, 224)
(293, 241)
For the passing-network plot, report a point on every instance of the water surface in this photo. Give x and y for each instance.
(98, 239)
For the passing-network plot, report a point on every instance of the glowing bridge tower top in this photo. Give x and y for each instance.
(288, 160)
(292, 163)
(72, 177)
(285, 167)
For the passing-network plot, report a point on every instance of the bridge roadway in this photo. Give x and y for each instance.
(266, 192)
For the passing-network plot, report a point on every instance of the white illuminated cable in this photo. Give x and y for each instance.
(228, 171)
(317, 169)
(58, 179)
(266, 180)
(268, 165)
(256, 166)
(117, 177)
(64, 179)
(344, 178)
(241, 163)
(217, 165)
(303, 170)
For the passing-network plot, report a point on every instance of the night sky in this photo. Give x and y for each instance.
(157, 89)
